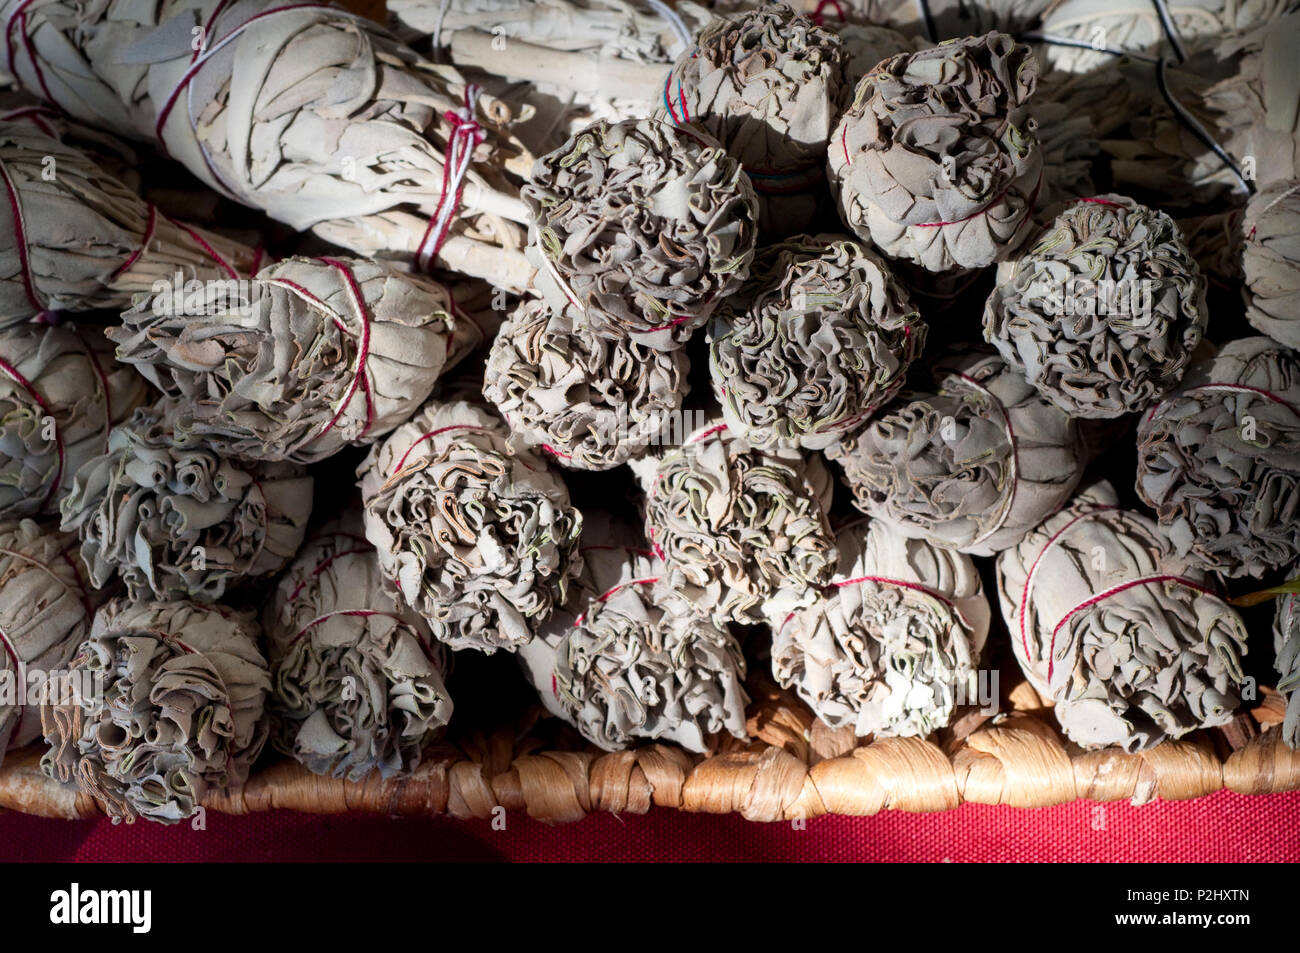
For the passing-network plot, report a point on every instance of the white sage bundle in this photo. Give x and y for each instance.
(1219, 460)
(1172, 28)
(1270, 260)
(480, 541)
(1256, 108)
(734, 524)
(892, 646)
(175, 711)
(972, 461)
(1167, 150)
(115, 157)
(819, 339)
(61, 395)
(1286, 649)
(572, 62)
(1103, 310)
(589, 402)
(619, 666)
(175, 520)
(313, 355)
(768, 85)
(1131, 644)
(315, 115)
(642, 227)
(933, 20)
(936, 161)
(46, 606)
(356, 678)
(76, 239)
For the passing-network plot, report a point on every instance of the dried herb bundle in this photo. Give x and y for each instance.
(76, 239)
(642, 228)
(356, 678)
(313, 114)
(177, 711)
(1219, 460)
(973, 461)
(1103, 310)
(480, 541)
(936, 161)
(818, 340)
(892, 646)
(735, 524)
(312, 356)
(1131, 644)
(620, 667)
(61, 394)
(590, 402)
(175, 520)
(45, 611)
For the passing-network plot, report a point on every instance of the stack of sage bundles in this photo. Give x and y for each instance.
(688, 353)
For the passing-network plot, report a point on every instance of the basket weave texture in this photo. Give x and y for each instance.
(792, 767)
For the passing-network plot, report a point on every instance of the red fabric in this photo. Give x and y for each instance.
(1223, 827)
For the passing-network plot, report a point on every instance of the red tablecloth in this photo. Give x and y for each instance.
(1222, 827)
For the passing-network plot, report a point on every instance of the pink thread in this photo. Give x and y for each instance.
(324, 563)
(623, 585)
(664, 327)
(431, 434)
(1033, 569)
(9, 40)
(20, 240)
(33, 113)
(22, 382)
(1033, 200)
(144, 243)
(818, 16)
(1096, 201)
(1246, 388)
(198, 61)
(903, 583)
(361, 377)
(655, 546)
(555, 453)
(212, 252)
(708, 433)
(1114, 590)
(1015, 457)
(19, 16)
(466, 135)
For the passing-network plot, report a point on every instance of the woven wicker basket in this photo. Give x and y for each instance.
(792, 767)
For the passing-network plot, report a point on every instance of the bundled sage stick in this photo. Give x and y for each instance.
(315, 115)
(76, 239)
(621, 663)
(893, 643)
(1131, 643)
(175, 710)
(356, 677)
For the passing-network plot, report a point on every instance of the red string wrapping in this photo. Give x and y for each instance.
(1114, 590)
(20, 241)
(1246, 388)
(466, 135)
(26, 385)
(605, 596)
(429, 436)
(149, 227)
